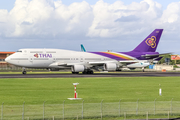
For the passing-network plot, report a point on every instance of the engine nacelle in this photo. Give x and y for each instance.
(77, 68)
(110, 66)
(132, 68)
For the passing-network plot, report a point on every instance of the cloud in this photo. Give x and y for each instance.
(46, 21)
(106, 16)
(131, 18)
(52, 19)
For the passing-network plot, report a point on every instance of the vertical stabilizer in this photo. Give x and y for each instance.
(150, 43)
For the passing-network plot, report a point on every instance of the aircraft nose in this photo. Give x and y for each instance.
(7, 59)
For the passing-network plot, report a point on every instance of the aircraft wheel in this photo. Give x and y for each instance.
(85, 72)
(91, 72)
(75, 72)
(143, 69)
(24, 72)
(88, 72)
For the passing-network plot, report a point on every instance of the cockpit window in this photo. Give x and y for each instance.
(19, 51)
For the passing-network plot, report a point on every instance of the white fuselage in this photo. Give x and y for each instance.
(53, 58)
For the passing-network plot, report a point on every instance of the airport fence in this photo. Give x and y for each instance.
(5, 67)
(14, 68)
(102, 110)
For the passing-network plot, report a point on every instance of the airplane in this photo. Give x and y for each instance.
(85, 62)
(143, 63)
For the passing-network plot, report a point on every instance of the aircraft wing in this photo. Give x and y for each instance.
(126, 62)
(95, 64)
(57, 64)
(129, 61)
(100, 62)
(121, 62)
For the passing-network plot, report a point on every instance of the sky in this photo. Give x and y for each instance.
(100, 25)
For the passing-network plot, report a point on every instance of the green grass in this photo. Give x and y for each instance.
(15, 91)
(34, 91)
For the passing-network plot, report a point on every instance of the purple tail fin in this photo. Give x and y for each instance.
(150, 43)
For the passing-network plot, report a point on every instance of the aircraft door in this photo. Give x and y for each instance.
(81, 59)
(54, 58)
(31, 59)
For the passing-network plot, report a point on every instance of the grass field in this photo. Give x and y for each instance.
(34, 91)
(15, 91)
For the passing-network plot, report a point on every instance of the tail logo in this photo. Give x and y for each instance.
(151, 41)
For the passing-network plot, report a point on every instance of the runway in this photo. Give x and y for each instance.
(68, 75)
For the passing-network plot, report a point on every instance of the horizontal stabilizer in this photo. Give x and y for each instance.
(126, 62)
(157, 59)
(154, 55)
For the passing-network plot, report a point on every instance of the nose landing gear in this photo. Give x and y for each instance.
(24, 71)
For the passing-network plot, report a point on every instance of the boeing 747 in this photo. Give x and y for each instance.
(85, 62)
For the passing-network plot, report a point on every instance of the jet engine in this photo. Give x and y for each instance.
(77, 68)
(132, 68)
(110, 66)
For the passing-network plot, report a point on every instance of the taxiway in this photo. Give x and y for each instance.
(69, 75)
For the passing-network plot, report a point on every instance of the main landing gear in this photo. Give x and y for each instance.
(24, 71)
(143, 69)
(87, 72)
(75, 72)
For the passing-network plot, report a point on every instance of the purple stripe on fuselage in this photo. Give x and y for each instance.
(108, 55)
(137, 55)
